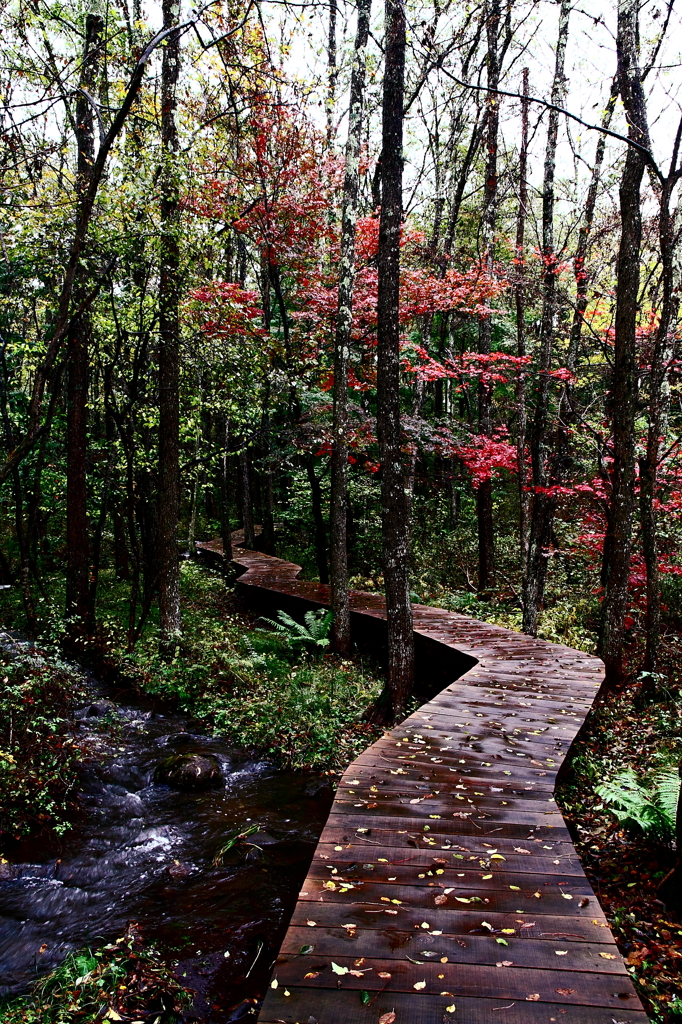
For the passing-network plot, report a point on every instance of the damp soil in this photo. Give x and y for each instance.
(145, 852)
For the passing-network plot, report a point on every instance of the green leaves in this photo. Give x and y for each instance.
(314, 634)
(646, 804)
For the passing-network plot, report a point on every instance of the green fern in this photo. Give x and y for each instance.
(253, 657)
(651, 805)
(314, 633)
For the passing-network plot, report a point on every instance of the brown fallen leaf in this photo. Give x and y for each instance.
(387, 1018)
(608, 956)
(384, 975)
(311, 974)
(440, 900)
(504, 963)
(584, 901)
(359, 962)
(534, 997)
(565, 991)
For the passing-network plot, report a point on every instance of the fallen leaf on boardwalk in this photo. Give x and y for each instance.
(358, 974)
(311, 924)
(561, 952)
(608, 956)
(486, 877)
(425, 924)
(387, 1018)
(311, 974)
(534, 997)
(584, 901)
(516, 888)
(419, 985)
(508, 931)
(365, 997)
(451, 1008)
(462, 899)
(307, 949)
(274, 983)
(350, 929)
(538, 895)
(502, 942)
(565, 991)
(339, 970)
(439, 900)
(384, 975)
(497, 856)
(567, 895)
(519, 849)
(504, 963)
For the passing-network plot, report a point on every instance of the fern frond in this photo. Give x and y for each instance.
(667, 789)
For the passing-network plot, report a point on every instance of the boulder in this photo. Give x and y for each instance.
(189, 771)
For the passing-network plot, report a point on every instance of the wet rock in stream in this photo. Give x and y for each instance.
(189, 771)
(146, 852)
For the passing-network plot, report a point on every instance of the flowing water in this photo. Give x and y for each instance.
(145, 852)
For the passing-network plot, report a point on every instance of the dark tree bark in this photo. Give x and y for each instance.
(169, 348)
(484, 493)
(318, 520)
(542, 504)
(247, 500)
(624, 384)
(394, 506)
(659, 400)
(77, 545)
(339, 461)
(520, 302)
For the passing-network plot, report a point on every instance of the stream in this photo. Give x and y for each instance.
(145, 852)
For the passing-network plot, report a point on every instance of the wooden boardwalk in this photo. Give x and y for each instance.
(445, 886)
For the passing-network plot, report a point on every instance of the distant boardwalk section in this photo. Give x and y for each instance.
(445, 886)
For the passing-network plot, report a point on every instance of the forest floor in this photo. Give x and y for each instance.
(305, 712)
(625, 865)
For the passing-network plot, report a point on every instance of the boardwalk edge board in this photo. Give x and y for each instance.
(445, 886)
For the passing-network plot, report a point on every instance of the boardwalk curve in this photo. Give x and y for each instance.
(445, 886)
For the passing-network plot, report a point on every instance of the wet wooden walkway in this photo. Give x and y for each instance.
(445, 886)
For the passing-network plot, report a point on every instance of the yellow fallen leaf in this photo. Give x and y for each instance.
(274, 983)
(311, 974)
(608, 956)
(451, 1008)
(561, 952)
(567, 895)
(516, 888)
(311, 924)
(486, 877)
(419, 985)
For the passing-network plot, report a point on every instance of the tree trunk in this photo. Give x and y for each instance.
(339, 462)
(77, 546)
(331, 72)
(247, 501)
(225, 528)
(169, 349)
(394, 512)
(623, 397)
(543, 504)
(318, 520)
(659, 398)
(520, 299)
(484, 493)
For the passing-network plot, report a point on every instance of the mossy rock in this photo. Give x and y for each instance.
(189, 771)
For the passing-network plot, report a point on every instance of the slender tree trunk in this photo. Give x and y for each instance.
(394, 508)
(543, 504)
(331, 71)
(169, 349)
(484, 492)
(659, 397)
(318, 520)
(247, 501)
(339, 461)
(624, 386)
(77, 546)
(225, 529)
(520, 298)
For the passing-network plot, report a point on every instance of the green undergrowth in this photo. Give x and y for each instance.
(122, 981)
(233, 674)
(39, 753)
(626, 845)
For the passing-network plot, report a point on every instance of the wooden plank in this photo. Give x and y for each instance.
(445, 838)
